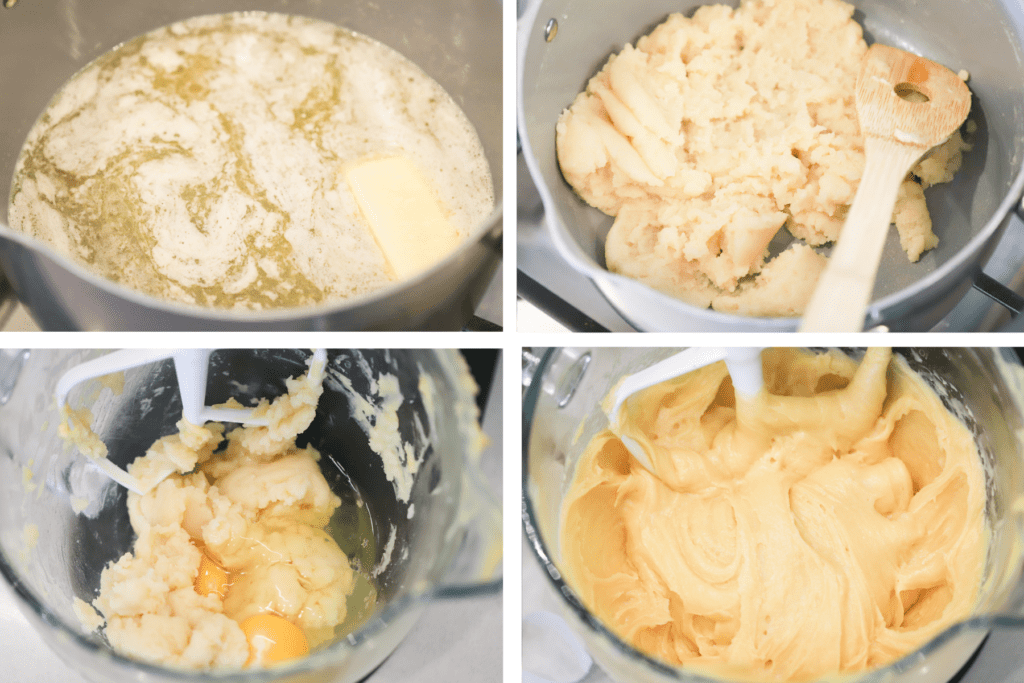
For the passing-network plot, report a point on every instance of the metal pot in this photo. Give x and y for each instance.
(562, 43)
(44, 42)
(562, 412)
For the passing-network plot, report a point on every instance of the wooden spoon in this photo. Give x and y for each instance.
(907, 105)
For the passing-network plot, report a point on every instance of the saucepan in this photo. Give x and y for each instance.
(562, 412)
(562, 43)
(440, 540)
(44, 42)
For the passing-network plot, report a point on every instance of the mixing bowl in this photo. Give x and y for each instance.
(444, 542)
(986, 37)
(44, 42)
(983, 387)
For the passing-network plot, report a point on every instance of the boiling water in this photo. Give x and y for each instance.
(200, 162)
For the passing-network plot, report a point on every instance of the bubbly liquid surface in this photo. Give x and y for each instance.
(200, 162)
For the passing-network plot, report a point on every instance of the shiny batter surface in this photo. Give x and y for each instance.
(837, 525)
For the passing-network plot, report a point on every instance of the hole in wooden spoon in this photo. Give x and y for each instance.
(910, 93)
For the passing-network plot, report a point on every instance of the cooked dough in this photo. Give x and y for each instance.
(832, 523)
(257, 510)
(716, 131)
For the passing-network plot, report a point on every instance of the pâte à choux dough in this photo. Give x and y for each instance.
(837, 526)
(719, 132)
(255, 511)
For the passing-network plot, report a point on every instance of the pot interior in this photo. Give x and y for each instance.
(44, 42)
(983, 37)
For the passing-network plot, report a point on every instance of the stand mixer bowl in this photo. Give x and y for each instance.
(449, 547)
(562, 412)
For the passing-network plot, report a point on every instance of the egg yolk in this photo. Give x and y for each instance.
(273, 639)
(211, 578)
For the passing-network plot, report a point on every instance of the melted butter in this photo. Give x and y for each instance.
(216, 184)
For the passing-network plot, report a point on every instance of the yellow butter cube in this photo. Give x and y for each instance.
(405, 216)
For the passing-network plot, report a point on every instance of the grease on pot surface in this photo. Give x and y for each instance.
(837, 528)
(236, 561)
(717, 131)
(200, 162)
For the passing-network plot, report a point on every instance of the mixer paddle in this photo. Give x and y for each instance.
(191, 367)
(744, 368)
(906, 105)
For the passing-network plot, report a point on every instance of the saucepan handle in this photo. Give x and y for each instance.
(997, 291)
(8, 299)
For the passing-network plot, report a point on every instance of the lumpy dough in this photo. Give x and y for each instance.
(716, 131)
(837, 525)
(258, 509)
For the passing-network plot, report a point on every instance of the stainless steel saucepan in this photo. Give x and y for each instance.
(44, 42)
(562, 43)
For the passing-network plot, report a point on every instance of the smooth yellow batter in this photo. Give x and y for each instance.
(255, 513)
(837, 525)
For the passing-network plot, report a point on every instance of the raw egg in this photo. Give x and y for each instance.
(273, 639)
(211, 578)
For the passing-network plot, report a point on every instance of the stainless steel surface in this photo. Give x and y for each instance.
(15, 317)
(43, 42)
(969, 214)
(537, 256)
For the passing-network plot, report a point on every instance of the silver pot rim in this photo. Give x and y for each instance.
(203, 313)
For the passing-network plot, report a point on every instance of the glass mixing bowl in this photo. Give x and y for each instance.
(43, 43)
(984, 387)
(449, 547)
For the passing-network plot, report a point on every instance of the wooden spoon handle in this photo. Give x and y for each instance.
(844, 289)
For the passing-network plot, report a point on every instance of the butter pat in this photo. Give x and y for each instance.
(405, 216)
